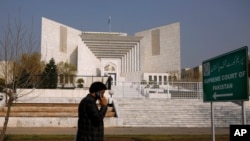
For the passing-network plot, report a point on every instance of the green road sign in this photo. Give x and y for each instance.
(225, 78)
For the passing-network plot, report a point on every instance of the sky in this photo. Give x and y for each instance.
(208, 27)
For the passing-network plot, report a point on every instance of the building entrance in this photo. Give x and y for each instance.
(110, 69)
(113, 76)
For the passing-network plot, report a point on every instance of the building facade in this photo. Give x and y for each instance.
(124, 57)
(192, 74)
(6, 71)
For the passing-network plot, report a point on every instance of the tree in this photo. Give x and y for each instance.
(2, 84)
(67, 72)
(80, 81)
(29, 68)
(49, 75)
(15, 41)
(23, 80)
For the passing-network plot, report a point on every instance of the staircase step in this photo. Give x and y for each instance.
(47, 110)
(177, 112)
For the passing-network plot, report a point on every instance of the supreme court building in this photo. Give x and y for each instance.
(154, 51)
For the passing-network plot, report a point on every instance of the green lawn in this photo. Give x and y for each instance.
(119, 138)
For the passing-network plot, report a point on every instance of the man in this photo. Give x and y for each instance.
(90, 117)
(109, 82)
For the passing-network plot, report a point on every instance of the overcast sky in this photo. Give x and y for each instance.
(208, 27)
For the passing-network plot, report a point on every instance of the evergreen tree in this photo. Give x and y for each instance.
(49, 75)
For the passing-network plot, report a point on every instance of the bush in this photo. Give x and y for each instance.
(80, 81)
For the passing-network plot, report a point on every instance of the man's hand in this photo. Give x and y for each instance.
(103, 101)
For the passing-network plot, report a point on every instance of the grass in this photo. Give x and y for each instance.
(167, 138)
(39, 137)
(119, 138)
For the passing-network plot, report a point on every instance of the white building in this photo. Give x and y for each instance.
(6, 71)
(125, 58)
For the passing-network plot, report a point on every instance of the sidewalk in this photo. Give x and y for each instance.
(122, 130)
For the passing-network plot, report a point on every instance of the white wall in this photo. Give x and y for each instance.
(77, 53)
(87, 63)
(50, 42)
(52, 95)
(169, 58)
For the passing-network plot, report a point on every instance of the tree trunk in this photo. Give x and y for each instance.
(9, 104)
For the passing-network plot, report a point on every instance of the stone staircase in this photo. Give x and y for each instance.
(47, 110)
(153, 112)
(130, 109)
(46, 115)
(126, 91)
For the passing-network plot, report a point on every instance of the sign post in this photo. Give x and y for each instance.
(225, 78)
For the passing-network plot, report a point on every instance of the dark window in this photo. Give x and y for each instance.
(160, 80)
(155, 78)
(150, 78)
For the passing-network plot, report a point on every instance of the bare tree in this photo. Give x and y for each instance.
(28, 70)
(16, 43)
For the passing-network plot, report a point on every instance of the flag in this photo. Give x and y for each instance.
(109, 20)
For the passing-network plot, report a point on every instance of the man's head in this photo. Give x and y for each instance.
(97, 87)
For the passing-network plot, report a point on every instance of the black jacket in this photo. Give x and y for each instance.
(90, 120)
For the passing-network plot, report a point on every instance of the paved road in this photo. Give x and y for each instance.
(122, 131)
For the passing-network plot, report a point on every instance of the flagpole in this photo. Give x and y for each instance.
(109, 23)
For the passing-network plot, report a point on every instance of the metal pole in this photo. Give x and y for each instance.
(243, 113)
(212, 121)
(109, 23)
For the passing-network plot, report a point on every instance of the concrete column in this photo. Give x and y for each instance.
(138, 56)
(133, 60)
(128, 62)
(125, 63)
(122, 64)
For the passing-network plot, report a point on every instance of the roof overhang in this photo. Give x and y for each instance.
(109, 45)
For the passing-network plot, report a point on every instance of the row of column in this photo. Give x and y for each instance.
(131, 61)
